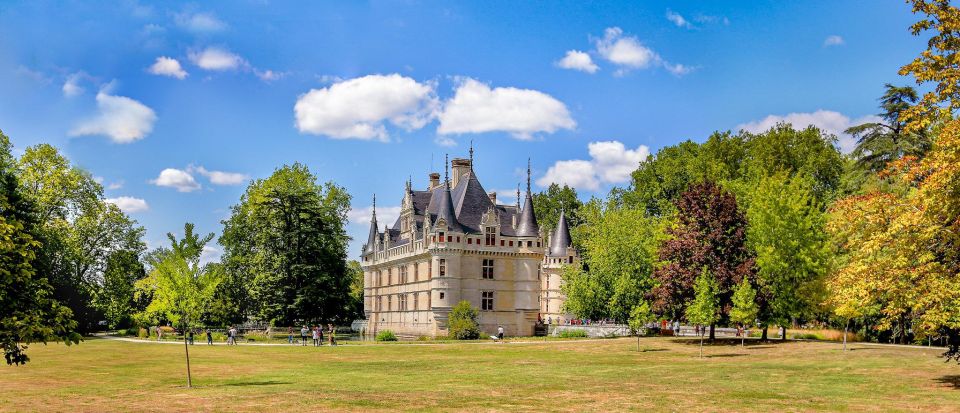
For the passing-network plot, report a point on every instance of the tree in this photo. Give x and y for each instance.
(639, 317)
(786, 233)
(462, 321)
(549, 203)
(116, 298)
(745, 308)
(619, 251)
(355, 306)
(286, 242)
(703, 310)
(938, 64)
(28, 313)
(709, 232)
(879, 143)
(181, 287)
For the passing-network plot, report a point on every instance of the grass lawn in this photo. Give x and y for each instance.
(577, 375)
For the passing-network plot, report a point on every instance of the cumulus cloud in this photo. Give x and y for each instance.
(210, 254)
(828, 121)
(358, 108)
(122, 119)
(215, 58)
(268, 75)
(220, 177)
(129, 204)
(178, 179)
(199, 22)
(71, 87)
(629, 53)
(610, 162)
(678, 19)
(833, 40)
(385, 215)
(577, 60)
(166, 66)
(477, 108)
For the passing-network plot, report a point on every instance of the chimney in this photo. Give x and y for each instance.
(460, 167)
(493, 197)
(434, 180)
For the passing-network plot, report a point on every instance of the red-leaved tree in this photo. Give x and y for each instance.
(710, 233)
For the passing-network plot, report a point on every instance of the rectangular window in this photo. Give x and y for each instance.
(402, 299)
(458, 239)
(501, 243)
(511, 243)
(443, 267)
(491, 234)
(403, 274)
(389, 276)
(449, 238)
(441, 237)
(487, 269)
(441, 295)
(469, 241)
(529, 244)
(389, 303)
(416, 301)
(486, 301)
(416, 271)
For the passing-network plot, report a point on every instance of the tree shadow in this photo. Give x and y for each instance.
(724, 355)
(255, 383)
(751, 343)
(953, 380)
(649, 350)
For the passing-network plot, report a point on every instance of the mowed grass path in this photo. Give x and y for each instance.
(596, 375)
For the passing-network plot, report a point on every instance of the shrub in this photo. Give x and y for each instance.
(463, 322)
(572, 334)
(142, 333)
(386, 335)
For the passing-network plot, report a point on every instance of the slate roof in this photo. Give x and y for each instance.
(560, 239)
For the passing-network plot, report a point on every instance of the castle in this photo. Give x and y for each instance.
(454, 242)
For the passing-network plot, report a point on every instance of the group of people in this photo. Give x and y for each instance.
(316, 332)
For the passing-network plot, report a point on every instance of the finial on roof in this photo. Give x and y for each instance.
(471, 153)
(374, 207)
(446, 169)
(528, 175)
(518, 196)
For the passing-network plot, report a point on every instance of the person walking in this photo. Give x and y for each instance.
(232, 336)
(303, 335)
(289, 335)
(676, 328)
(333, 334)
(500, 333)
(209, 338)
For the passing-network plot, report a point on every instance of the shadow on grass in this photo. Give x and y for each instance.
(255, 383)
(750, 343)
(711, 356)
(650, 350)
(953, 380)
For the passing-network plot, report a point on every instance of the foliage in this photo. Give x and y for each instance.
(285, 248)
(710, 232)
(705, 306)
(386, 335)
(572, 333)
(640, 316)
(879, 143)
(745, 307)
(786, 233)
(355, 273)
(463, 321)
(122, 271)
(938, 64)
(548, 204)
(28, 313)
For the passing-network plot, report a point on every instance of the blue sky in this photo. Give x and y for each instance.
(176, 105)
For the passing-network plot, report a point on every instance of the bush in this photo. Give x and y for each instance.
(142, 333)
(463, 322)
(386, 335)
(572, 334)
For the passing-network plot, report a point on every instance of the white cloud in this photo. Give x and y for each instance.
(220, 177)
(385, 215)
(214, 58)
(678, 20)
(181, 180)
(71, 87)
(115, 185)
(122, 119)
(210, 254)
(358, 108)
(268, 75)
(629, 53)
(34, 75)
(444, 141)
(129, 204)
(166, 66)
(577, 60)
(199, 22)
(833, 40)
(476, 108)
(610, 162)
(828, 121)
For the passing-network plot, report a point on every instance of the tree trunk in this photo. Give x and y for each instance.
(763, 335)
(783, 335)
(701, 346)
(186, 349)
(713, 336)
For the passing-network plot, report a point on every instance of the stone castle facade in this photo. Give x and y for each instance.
(454, 242)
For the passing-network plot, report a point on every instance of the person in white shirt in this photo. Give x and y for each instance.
(303, 335)
(316, 336)
(500, 333)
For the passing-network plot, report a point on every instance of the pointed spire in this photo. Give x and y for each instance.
(374, 232)
(528, 220)
(560, 240)
(518, 197)
(445, 211)
(446, 168)
(471, 154)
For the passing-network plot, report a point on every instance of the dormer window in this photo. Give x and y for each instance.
(491, 234)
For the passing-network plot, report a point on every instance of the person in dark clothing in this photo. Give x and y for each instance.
(209, 338)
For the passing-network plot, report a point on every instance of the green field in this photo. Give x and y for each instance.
(576, 375)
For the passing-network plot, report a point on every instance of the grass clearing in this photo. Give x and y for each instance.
(574, 375)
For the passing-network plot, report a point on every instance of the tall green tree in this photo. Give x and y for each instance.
(116, 297)
(548, 204)
(286, 241)
(182, 288)
(28, 312)
(879, 143)
(787, 234)
(705, 306)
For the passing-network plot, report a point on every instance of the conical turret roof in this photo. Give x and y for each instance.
(374, 234)
(560, 240)
(527, 226)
